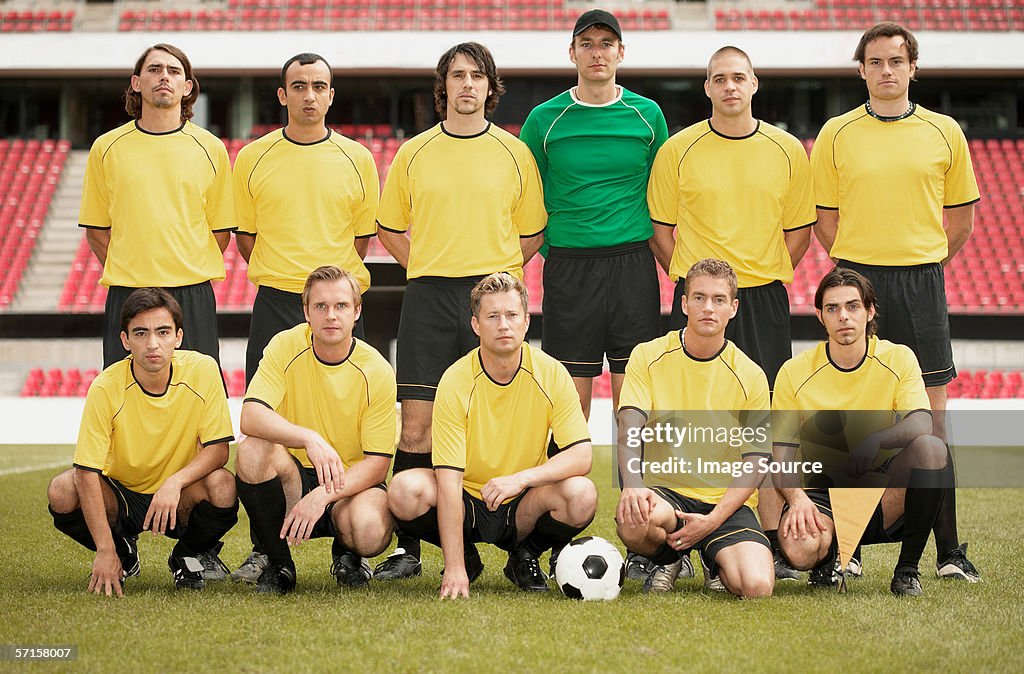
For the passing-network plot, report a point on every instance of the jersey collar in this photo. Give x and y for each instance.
(577, 101)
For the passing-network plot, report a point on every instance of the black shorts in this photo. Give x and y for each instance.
(274, 311)
(760, 329)
(741, 526)
(132, 508)
(912, 310)
(199, 320)
(483, 526)
(434, 331)
(598, 302)
(875, 531)
(324, 527)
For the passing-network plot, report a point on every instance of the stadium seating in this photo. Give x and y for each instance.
(29, 171)
(949, 15)
(36, 21)
(361, 15)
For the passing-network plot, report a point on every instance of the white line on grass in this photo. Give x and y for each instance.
(32, 469)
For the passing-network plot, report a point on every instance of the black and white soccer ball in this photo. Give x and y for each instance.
(590, 568)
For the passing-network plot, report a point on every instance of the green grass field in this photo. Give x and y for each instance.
(403, 627)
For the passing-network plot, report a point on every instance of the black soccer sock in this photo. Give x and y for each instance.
(207, 524)
(923, 500)
(664, 555)
(265, 503)
(73, 525)
(338, 548)
(406, 461)
(773, 539)
(946, 535)
(420, 528)
(548, 533)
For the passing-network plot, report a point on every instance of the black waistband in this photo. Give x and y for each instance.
(849, 264)
(448, 280)
(284, 294)
(609, 251)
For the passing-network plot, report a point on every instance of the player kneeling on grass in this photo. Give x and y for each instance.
(879, 387)
(320, 421)
(703, 376)
(150, 455)
(492, 480)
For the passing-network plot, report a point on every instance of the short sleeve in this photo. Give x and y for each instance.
(528, 214)
(268, 384)
(395, 210)
(961, 184)
(530, 135)
(379, 425)
(823, 170)
(785, 411)
(449, 431)
(95, 433)
(660, 127)
(364, 215)
(568, 425)
(663, 187)
(220, 205)
(910, 391)
(215, 424)
(94, 210)
(245, 207)
(637, 387)
(798, 211)
(757, 412)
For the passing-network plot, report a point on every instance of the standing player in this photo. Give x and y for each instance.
(320, 421)
(918, 161)
(156, 202)
(736, 188)
(493, 481)
(304, 196)
(150, 455)
(594, 145)
(461, 200)
(858, 374)
(696, 368)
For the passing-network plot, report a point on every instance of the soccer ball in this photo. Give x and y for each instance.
(590, 568)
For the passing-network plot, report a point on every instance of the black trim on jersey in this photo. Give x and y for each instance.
(201, 147)
(226, 229)
(855, 367)
(475, 135)
(479, 355)
(689, 147)
(229, 438)
(797, 229)
(826, 208)
(248, 179)
(167, 387)
(746, 454)
(966, 203)
(388, 229)
(257, 400)
(110, 147)
(320, 360)
(88, 468)
(749, 135)
(928, 412)
(786, 444)
(158, 133)
(663, 224)
(702, 360)
(359, 176)
(512, 156)
(364, 236)
(573, 444)
(295, 142)
(93, 227)
(461, 470)
(366, 453)
(530, 236)
(630, 407)
(240, 232)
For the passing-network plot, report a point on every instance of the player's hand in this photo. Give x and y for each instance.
(803, 519)
(106, 574)
(863, 456)
(163, 509)
(635, 506)
(694, 529)
(330, 472)
(454, 584)
(499, 489)
(298, 525)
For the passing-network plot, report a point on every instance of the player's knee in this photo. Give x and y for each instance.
(220, 488)
(371, 533)
(61, 493)
(801, 554)
(930, 453)
(409, 494)
(253, 459)
(580, 500)
(634, 538)
(756, 583)
(415, 438)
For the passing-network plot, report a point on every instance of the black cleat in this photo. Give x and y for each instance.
(474, 565)
(638, 567)
(783, 571)
(905, 584)
(523, 569)
(398, 565)
(277, 579)
(213, 567)
(825, 574)
(956, 566)
(131, 565)
(350, 570)
(187, 572)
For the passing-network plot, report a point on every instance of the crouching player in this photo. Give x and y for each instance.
(320, 420)
(150, 455)
(854, 370)
(697, 369)
(492, 480)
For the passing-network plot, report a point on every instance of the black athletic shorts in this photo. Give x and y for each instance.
(598, 302)
(324, 527)
(498, 527)
(875, 531)
(912, 310)
(434, 331)
(199, 321)
(132, 508)
(761, 326)
(741, 526)
(275, 311)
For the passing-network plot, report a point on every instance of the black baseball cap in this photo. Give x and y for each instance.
(594, 17)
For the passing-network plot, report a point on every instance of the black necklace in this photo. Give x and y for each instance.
(882, 118)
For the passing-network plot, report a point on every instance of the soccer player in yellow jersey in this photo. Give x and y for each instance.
(919, 161)
(736, 188)
(156, 202)
(304, 196)
(150, 455)
(876, 386)
(319, 417)
(697, 372)
(492, 480)
(462, 200)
